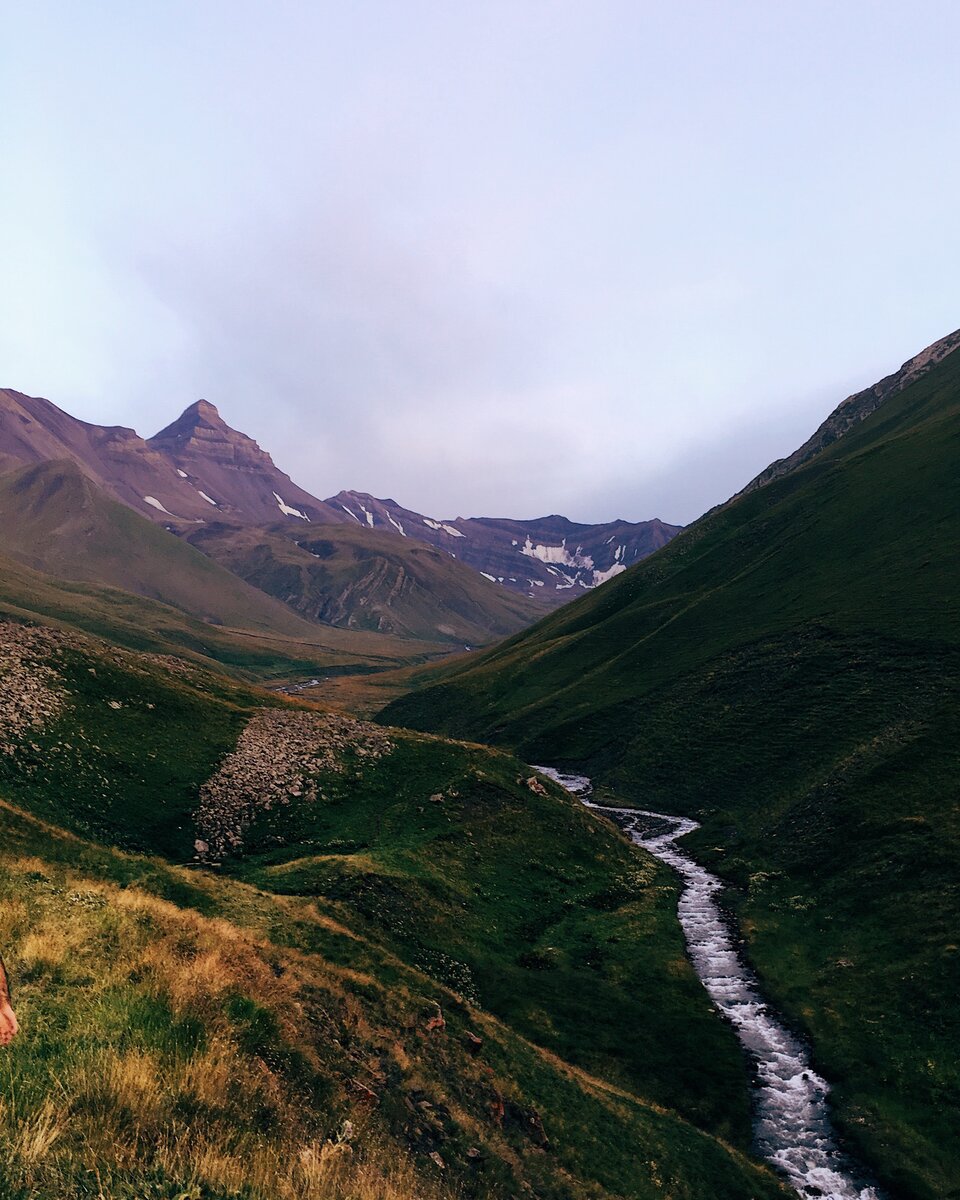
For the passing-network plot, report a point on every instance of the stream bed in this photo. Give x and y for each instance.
(792, 1126)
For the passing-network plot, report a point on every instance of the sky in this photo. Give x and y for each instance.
(598, 258)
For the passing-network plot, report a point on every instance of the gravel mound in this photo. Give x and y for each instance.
(276, 759)
(31, 691)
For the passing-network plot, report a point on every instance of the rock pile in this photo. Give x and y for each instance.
(276, 761)
(31, 691)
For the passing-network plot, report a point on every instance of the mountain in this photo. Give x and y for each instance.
(212, 484)
(787, 671)
(33, 430)
(377, 990)
(549, 559)
(57, 520)
(234, 478)
(364, 579)
(858, 407)
(196, 467)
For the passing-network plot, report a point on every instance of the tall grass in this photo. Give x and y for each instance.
(162, 1056)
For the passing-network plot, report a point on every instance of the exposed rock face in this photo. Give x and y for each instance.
(31, 691)
(550, 559)
(234, 478)
(856, 408)
(201, 431)
(276, 761)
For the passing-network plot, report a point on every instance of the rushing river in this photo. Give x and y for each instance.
(792, 1129)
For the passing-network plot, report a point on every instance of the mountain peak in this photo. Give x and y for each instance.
(204, 410)
(199, 415)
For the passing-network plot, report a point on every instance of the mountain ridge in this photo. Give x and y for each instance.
(198, 472)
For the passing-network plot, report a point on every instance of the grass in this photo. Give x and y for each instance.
(576, 945)
(191, 1032)
(788, 671)
(363, 579)
(168, 1051)
(137, 623)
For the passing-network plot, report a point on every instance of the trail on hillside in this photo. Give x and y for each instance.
(792, 1130)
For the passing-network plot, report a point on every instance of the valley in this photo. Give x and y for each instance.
(785, 672)
(288, 913)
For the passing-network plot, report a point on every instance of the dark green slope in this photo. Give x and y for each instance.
(788, 670)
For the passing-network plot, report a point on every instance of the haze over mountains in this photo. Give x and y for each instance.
(377, 567)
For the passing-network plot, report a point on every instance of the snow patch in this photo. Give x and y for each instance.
(602, 576)
(155, 503)
(208, 499)
(557, 554)
(492, 578)
(349, 513)
(286, 509)
(368, 515)
(439, 525)
(396, 525)
(182, 474)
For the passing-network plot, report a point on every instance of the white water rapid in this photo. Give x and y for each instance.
(792, 1128)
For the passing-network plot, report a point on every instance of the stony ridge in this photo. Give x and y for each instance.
(275, 763)
(857, 408)
(30, 697)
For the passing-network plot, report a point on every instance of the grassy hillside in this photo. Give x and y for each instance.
(211, 1031)
(787, 670)
(56, 520)
(359, 578)
(141, 624)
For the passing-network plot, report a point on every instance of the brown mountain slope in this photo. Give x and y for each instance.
(234, 478)
(55, 519)
(363, 579)
(33, 430)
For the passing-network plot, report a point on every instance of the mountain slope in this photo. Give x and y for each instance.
(182, 1030)
(61, 516)
(142, 624)
(33, 430)
(55, 519)
(237, 480)
(363, 579)
(198, 472)
(549, 559)
(858, 407)
(788, 671)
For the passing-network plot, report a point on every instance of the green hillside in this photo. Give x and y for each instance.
(54, 519)
(376, 994)
(70, 556)
(359, 578)
(787, 670)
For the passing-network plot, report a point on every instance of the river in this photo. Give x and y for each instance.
(792, 1126)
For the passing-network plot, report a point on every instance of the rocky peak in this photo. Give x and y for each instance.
(857, 408)
(200, 432)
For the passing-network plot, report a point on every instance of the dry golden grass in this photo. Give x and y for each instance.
(107, 973)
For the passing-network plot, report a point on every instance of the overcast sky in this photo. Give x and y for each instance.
(599, 258)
